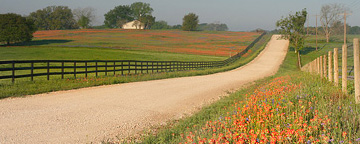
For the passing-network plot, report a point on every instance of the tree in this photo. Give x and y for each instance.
(160, 25)
(329, 15)
(148, 21)
(54, 18)
(84, 16)
(292, 29)
(118, 16)
(140, 9)
(354, 30)
(15, 28)
(217, 26)
(190, 22)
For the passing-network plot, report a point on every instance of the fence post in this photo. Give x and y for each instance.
(96, 69)
(318, 65)
(75, 70)
(321, 67)
(336, 66)
(325, 66)
(314, 67)
(122, 68)
(62, 70)
(330, 74)
(13, 72)
(48, 70)
(357, 70)
(106, 68)
(344, 68)
(114, 68)
(86, 73)
(32, 71)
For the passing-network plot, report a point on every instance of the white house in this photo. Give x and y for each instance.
(134, 25)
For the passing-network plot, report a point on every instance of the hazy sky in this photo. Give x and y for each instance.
(239, 15)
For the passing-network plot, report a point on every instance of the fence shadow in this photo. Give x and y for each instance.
(39, 42)
(307, 50)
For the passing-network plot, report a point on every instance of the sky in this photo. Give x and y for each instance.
(239, 15)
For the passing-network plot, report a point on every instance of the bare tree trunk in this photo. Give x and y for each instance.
(298, 59)
(327, 37)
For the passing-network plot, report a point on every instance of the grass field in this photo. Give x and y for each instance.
(130, 45)
(24, 86)
(290, 107)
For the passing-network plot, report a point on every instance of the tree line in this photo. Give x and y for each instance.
(15, 28)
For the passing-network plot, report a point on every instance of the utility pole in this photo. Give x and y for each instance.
(345, 14)
(316, 31)
(307, 30)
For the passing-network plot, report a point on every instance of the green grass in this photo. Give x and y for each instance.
(23, 87)
(71, 53)
(326, 98)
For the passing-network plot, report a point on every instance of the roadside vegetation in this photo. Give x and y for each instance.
(289, 107)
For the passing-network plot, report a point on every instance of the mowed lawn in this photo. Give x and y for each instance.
(116, 44)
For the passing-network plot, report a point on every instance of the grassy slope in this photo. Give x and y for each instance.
(25, 87)
(337, 117)
(68, 53)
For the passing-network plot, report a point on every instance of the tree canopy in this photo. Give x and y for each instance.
(122, 14)
(213, 27)
(15, 28)
(141, 9)
(118, 16)
(54, 18)
(84, 16)
(190, 22)
(329, 16)
(292, 29)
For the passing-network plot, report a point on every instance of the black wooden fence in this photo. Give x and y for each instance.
(34, 68)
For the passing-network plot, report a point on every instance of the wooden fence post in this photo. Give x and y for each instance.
(321, 67)
(344, 68)
(317, 66)
(336, 66)
(48, 70)
(32, 71)
(13, 72)
(325, 66)
(357, 70)
(330, 72)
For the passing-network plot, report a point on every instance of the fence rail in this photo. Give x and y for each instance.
(34, 68)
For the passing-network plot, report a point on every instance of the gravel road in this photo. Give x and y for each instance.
(104, 112)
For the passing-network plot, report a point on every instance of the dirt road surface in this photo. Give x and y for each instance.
(100, 113)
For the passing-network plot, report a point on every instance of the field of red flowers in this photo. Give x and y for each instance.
(269, 116)
(174, 41)
(296, 108)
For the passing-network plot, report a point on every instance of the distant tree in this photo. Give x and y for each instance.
(15, 28)
(84, 16)
(190, 22)
(118, 16)
(202, 26)
(329, 15)
(54, 18)
(160, 25)
(292, 29)
(354, 30)
(148, 21)
(338, 28)
(141, 9)
(217, 26)
(176, 27)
